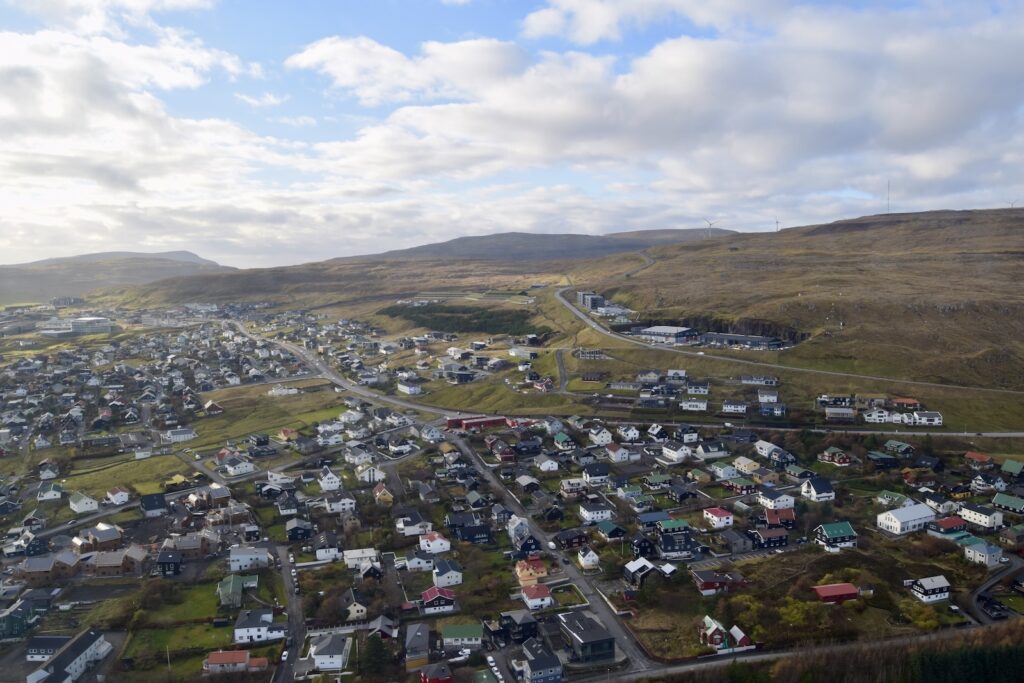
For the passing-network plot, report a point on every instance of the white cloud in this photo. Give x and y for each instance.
(267, 99)
(296, 121)
(376, 73)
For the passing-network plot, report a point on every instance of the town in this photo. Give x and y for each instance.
(239, 490)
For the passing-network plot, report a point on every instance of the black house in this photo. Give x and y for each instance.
(518, 624)
(571, 539)
(479, 534)
(168, 562)
(585, 637)
(524, 546)
(643, 547)
(298, 529)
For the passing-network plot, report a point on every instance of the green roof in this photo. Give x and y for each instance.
(1013, 467)
(875, 455)
(1007, 501)
(607, 525)
(672, 524)
(838, 529)
(462, 631)
(484, 676)
(891, 496)
(967, 539)
(742, 481)
(561, 437)
(658, 478)
(893, 444)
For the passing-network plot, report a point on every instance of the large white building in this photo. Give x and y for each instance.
(668, 334)
(905, 520)
(72, 660)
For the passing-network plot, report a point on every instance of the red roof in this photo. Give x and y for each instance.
(949, 522)
(718, 512)
(434, 592)
(228, 657)
(978, 457)
(537, 591)
(836, 592)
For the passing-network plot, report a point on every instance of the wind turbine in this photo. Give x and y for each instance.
(707, 231)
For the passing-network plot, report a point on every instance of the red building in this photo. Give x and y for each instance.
(837, 593)
(436, 673)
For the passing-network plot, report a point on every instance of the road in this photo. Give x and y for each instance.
(296, 620)
(563, 376)
(1004, 570)
(624, 640)
(597, 327)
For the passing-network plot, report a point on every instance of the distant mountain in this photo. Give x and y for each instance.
(519, 246)
(77, 275)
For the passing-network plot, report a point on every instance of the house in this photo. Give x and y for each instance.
(835, 536)
(983, 553)
(433, 542)
(931, 589)
(436, 600)
(939, 503)
(49, 491)
(723, 470)
(230, 589)
(817, 489)
(737, 542)
(537, 596)
(413, 524)
(41, 648)
(530, 571)
(629, 433)
(773, 519)
(599, 436)
(734, 407)
(153, 505)
(740, 486)
(518, 624)
(539, 664)
(772, 499)
(382, 496)
(769, 537)
(568, 539)
(905, 520)
(118, 496)
(439, 672)
(329, 651)
(596, 474)
(718, 518)
(417, 646)
(947, 527)
(711, 450)
(81, 503)
(354, 604)
(621, 454)
(1005, 501)
(978, 461)
(587, 639)
(462, 636)
(370, 474)
(417, 561)
(981, 517)
(297, 529)
(836, 456)
(257, 626)
(354, 558)
(893, 499)
(714, 635)
(339, 502)
(238, 466)
(168, 563)
(328, 480)
(326, 546)
(592, 513)
(246, 558)
(836, 593)
(76, 656)
(588, 559)
(710, 582)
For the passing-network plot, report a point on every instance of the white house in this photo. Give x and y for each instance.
(734, 407)
(245, 558)
(410, 388)
(257, 626)
(772, 499)
(723, 470)
(328, 480)
(73, 659)
(817, 489)
(983, 553)
(412, 526)
(357, 557)
(49, 491)
(765, 448)
(340, 502)
(370, 474)
(236, 467)
(629, 433)
(905, 520)
(931, 589)
(118, 496)
(718, 518)
(447, 573)
(675, 451)
(620, 454)
(694, 405)
(434, 543)
(179, 435)
(588, 559)
(329, 651)
(876, 416)
(81, 503)
(593, 513)
(546, 464)
(537, 596)
(927, 418)
(745, 465)
(599, 436)
(987, 518)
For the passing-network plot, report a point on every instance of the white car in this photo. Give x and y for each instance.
(284, 656)
(490, 660)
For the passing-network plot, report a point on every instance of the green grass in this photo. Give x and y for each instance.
(199, 602)
(145, 476)
(153, 640)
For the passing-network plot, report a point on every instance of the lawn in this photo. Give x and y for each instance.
(157, 641)
(198, 602)
(145, 476)
(567, 596)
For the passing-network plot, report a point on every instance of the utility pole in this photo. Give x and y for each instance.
(887, 195)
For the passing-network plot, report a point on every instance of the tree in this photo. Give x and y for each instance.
(374, 656)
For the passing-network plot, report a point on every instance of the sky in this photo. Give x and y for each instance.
(261, 133)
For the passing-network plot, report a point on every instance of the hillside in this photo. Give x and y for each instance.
(933, 296)
(78, 275)
(521, 246)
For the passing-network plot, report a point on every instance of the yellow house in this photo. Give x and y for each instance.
(381, 495)
(530, 571)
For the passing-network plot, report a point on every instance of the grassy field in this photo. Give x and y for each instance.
(145, 476)
(249, 409)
